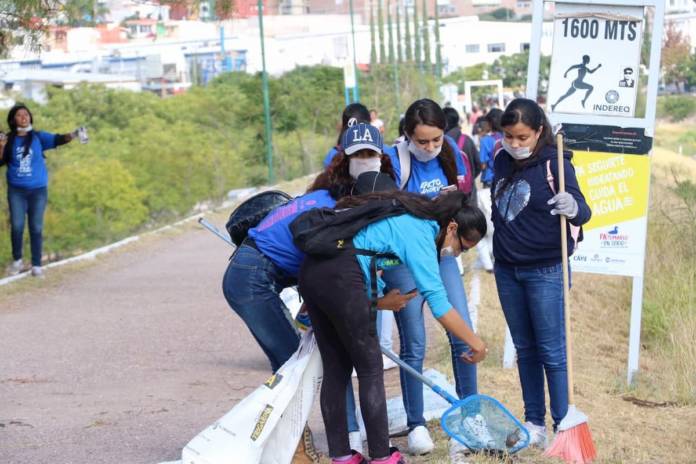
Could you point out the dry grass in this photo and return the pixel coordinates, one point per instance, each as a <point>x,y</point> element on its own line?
<point>662,428</point>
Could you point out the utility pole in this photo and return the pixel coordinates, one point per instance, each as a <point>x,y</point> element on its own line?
<point>266,99</point>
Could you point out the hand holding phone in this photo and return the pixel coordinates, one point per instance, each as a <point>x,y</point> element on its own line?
<point>394,300</point>
<point>447,189</point>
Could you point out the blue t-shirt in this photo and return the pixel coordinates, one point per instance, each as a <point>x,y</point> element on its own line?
<point>412,240</point>
<point>386,149</point>
<point>427,178</point>
<point>486,154</point>
<point>29,172</point>
<point>273,237</point>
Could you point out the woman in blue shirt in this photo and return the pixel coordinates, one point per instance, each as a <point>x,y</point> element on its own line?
<point>27,182</point>
<point>268,260</point>
<point>429,163</point>
<point>336,293</point>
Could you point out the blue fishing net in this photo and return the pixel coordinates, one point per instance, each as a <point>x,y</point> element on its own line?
<point>482,423</point>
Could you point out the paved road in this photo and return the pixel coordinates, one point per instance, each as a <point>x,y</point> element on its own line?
<point>123,360</point>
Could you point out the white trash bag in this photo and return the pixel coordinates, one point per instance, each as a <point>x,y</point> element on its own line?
<point>266,426</point>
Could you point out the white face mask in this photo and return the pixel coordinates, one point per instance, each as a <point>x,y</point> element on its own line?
<point>24,129</point>
<point>519,153</point>
<point>423,155</point>
<point>358,166</point>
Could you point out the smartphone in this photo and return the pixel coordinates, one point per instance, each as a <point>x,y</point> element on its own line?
<point>449,188</point>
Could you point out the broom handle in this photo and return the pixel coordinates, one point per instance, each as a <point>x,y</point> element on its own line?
<point>566,280</point>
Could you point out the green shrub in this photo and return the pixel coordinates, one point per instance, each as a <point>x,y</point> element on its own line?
<point>676,107</point>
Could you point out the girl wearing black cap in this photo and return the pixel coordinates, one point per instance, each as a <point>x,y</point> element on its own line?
<point>23,151</point>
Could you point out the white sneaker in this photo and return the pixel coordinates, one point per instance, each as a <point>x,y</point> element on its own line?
<point>537,435</point>
<point>477,429</point>
<point>15,268</point>
<point>458,453</point>
<point>36,271</point>
<point>355,440</point>
<point>419,441</point>
<point>388,363</point>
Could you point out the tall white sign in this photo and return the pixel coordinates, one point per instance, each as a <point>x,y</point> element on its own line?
<point>596,58</point>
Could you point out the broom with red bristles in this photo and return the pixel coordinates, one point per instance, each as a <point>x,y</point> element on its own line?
<point>573,442</point>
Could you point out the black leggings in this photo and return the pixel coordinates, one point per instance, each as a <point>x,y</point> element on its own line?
<point>335,293</point>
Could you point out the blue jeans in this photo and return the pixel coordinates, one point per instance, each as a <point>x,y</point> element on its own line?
<point>252,286</point>
<point>411,326</point>
<point>29,203</point>
<point>532,300</point>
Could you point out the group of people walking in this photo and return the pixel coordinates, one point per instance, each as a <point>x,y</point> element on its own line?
<point>428,172</point>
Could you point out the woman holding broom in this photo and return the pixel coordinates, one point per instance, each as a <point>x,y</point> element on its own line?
<point>526,245</point>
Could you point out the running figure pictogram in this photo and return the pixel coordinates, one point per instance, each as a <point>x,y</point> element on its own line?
<point>578,83</point>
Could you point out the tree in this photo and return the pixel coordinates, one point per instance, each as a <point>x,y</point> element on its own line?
<point>22,22</point>
<point>438,48</point>
<point>78,13</point>
<point>426,38</point>
<point>416,35</point>
<point>380,31</point>
<point>409,52</point>
<point>391,35</point>
<point>224,9</point>
<point>676,52</point>
<point>500,14</point>
<point>399,52</point>
<point>373,49</point>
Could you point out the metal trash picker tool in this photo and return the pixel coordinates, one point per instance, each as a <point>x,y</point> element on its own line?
<point>479,422</point>
<point>211,227</point>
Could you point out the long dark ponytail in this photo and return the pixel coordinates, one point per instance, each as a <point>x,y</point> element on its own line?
<point>451,206</point>
<point>427,112</point>
<point>529,113</point>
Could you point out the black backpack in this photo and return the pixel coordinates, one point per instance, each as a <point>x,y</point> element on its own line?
<point>326,232</point>
<point>252,211</point>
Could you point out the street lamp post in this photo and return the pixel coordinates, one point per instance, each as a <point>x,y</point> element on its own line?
<point>266,99</point>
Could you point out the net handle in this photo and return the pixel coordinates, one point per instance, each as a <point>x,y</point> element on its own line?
<point>391,355</point>
<point>205,223</point>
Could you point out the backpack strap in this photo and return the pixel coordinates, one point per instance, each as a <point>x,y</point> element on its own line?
<point>574,230</point>
<point>461,140</point>
<point>404,163</point>
<point>374,255</point>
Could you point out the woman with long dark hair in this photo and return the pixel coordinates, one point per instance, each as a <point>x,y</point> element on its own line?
<point>428,163</point>
<point>268,260</point>
<point>336,292</point>
<point>528,269</point>
<point>23,151</point>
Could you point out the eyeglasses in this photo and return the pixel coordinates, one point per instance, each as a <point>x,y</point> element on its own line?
<point>462,246</point>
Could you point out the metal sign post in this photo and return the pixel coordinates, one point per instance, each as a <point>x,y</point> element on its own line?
<point>592,93</point>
